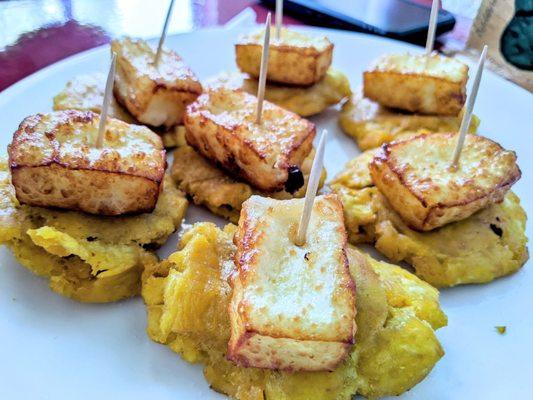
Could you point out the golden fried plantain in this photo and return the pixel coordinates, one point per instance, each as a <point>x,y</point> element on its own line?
<point>187,298</point>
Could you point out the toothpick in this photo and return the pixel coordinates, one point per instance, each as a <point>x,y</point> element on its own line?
<point>279,18</point>
<point>105,105</point>
<point>263,71</point>
<point>467,116</point>
<point>430,40</point>
<point>163,34</point>
<point>312,187</point>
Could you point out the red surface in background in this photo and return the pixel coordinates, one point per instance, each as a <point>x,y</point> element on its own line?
<point>47,43</point>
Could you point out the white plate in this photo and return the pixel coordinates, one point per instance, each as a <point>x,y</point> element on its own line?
<point>55,348</point>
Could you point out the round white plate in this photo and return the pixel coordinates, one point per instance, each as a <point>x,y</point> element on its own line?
<point>55,348</point>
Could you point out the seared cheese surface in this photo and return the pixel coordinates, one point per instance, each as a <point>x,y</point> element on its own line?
<point>279,131</point>
<point>416,177</point>
<point>435,66</point>
<point>298,299</point>
<point>67,138</point>
<point>424,165</point>
<point>155,95</point>
<point>294,285</point>
<point>416,83</point>
<point>171,72</point>
<point>289,38</point>
<point>294,58</point>
<point>221,125</point>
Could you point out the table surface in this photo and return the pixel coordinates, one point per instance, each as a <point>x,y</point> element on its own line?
<point>37,33</point>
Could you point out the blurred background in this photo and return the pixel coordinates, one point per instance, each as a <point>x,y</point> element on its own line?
<point>36,33</point>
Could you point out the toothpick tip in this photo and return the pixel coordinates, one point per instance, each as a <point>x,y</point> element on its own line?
<point>312,188</point>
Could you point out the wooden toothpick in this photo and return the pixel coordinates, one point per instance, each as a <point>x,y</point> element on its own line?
<point>163,34</point>
<point>467,116</point>
<point>312,187</point>
<point>279,18</point>
<point>263,71</point>
<point>107,98</point>
<point>430,40</point>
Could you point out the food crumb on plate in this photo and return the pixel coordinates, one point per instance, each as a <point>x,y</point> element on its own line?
<point>501,329</point>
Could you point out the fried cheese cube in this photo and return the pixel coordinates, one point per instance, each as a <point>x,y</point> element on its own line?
<point>294,59</point>
<point>54,163</point>
<point>416,178</point>
<point>417,83</point>
<point>293,307</point>
<point>154,95</point>
<point>221,125</point>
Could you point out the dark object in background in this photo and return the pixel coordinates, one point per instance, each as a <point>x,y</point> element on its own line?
<point>397,19</point>
<point>517,40</point>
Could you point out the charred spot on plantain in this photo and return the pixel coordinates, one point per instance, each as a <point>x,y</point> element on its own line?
<point>306,256</point>
<point>151,246</point>
<point>295,179</point>
<point>496,229</point>
<point>91,238</point>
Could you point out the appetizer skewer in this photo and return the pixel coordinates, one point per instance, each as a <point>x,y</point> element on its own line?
<point>87,257</point>
<point>298,300</point>
<point>77,160</point>
<point>426,84</point>
<point>305,338</point>
<point>291,305</point>
<point>417,190</point>
<point>405,94</point>
<point>150,91</point>
<point>423,182</point>
<point>268,153</point>
<point>299,75</point>
<point>188,297</point>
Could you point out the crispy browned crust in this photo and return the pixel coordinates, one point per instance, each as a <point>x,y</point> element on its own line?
<point>244,157</point>
<point>243,361</point>
<point>449,102</point>
<point>152,97</point>
<point>247,345</point>
<point>90,191</point>
<point>17,158</point>
<point>50,172</point>
<point>382,166</point>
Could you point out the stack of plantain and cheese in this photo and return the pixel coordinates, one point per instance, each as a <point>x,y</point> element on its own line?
<point>453,225</point>
<point>87,217</point>
<point>144,93</point>
<point>230,156</point>
<point>300,77</point>
<point>405,95</point>
<point>272,319</point>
